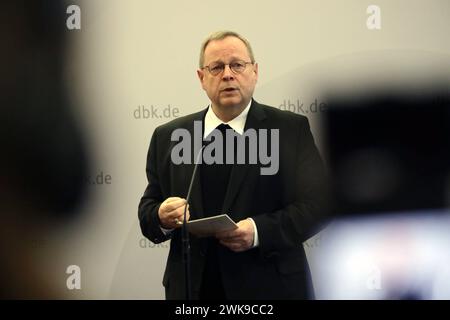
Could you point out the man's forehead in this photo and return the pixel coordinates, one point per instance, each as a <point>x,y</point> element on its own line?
<point>227,46</point>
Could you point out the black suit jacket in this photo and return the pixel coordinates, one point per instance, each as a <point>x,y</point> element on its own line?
<point>287,208</point>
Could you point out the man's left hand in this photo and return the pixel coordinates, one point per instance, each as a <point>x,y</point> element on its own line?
<point>240,239</point>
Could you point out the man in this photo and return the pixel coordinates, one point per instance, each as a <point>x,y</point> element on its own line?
<point>264,257</point>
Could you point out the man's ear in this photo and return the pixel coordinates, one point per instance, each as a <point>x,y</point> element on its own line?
<point>201,75</point>
<point>255,69</point>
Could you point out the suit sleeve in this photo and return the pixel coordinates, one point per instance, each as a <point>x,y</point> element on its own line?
<point>304,212</point>
<point>152,198</point>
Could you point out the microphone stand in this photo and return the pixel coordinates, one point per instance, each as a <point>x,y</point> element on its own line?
<point>186,248</point>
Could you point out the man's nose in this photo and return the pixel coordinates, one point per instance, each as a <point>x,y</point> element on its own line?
<point>227,73</point>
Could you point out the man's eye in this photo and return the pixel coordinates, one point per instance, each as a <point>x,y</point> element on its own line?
<point>216,67</point>
<point>237,65</point>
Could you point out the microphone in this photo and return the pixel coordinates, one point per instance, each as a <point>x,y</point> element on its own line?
<point>192,179</point>
<point>184,232</point>
<point>186,248</point>
<point>188,196</point>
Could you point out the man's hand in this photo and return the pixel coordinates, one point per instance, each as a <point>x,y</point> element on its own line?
<point>171,212</point>
<point>240,239</point>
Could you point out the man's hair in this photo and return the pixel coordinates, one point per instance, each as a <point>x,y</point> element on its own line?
<point>220,35</point>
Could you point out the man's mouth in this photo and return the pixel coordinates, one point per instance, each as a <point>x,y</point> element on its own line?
<point>230,89</point>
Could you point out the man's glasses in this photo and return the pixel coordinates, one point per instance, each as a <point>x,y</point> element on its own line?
<point>216,68</point>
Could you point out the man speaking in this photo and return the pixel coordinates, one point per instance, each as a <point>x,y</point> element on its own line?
<point>275,213</point>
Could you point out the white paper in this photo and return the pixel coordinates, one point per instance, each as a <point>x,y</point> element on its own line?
<point>208,226</point>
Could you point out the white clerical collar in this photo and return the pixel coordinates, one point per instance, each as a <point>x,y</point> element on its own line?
<point>237,124</point>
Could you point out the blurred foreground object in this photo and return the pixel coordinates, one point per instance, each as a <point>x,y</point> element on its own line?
<point>389,151</point>
<point>43,161</point>
<point>394,256</point>
<point>389,155</point>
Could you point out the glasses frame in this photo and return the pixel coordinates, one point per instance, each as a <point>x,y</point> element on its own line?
<point>245,63</point>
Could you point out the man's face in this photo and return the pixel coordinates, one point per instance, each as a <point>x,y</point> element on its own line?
<point>228,89</point>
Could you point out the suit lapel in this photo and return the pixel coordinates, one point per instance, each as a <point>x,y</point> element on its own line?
<point>255,118</point>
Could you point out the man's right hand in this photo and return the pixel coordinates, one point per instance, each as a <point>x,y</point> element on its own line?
<point>171,212</point>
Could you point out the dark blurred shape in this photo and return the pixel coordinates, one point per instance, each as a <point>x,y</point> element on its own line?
<point>43,159</point>
<point>389,151</point>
